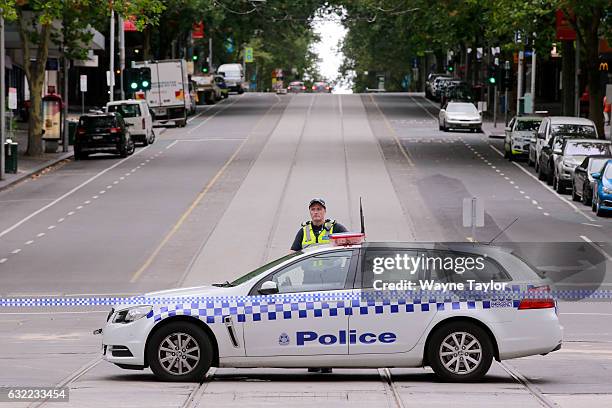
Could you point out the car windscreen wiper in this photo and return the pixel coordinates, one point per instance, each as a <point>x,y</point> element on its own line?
<point>226,284</point>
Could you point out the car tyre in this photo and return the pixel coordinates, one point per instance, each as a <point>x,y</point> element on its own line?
<point>550,177</point>
<point>575,196</point>
<point>585,198</point>
<point>455,337</point>
<point>598,210</point>
<point>541,175</point>
<point>152,137</point>
<point>145,141</point>
<point>594,203</point>
<point>167,337</point>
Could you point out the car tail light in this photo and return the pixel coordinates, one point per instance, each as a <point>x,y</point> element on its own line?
<point>80,131</point>
<point>314,88</point>
<point>303,88</point>
<point>115,130</point>
<point>143,123</point>
<point>327,87</point>
<point>289,88</point>
<point>545,301</point>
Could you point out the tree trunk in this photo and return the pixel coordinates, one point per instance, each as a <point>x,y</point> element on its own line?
<point>146,49</point>
<point>567,78</point>
<point>591,45</point>
<point>35,147</point>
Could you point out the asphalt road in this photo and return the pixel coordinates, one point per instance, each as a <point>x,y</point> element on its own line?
<point>213,200</point>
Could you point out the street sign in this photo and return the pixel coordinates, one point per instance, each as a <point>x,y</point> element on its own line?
<point>83,83</point>
<point>248,54</point>
<point>197,30</point>
<point>12,98</point>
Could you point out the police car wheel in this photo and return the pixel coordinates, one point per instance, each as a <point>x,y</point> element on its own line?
<point>460,352</point>
<point>180,352</point>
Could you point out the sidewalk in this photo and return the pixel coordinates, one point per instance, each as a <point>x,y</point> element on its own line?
<point>29,166</point>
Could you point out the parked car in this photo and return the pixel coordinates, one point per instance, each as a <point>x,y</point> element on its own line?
<point>102,133</point>
<point>220,81</point>
<point>296,87</point>
<point>602,189</point>
<point>439,85</point>
<point>136,112</point>
<point>456,91</point>
<point>321,87</point>
<point>571,155</point>
<point>429,82</point>
<point>234,77</point>
<point>565,126</point>
<point>582,183</point>
<point>433,83</point>
<point>519,134</point>
<point>460,115</point>
<point>207,89</point>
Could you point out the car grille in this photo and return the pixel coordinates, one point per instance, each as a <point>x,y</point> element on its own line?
<point>606,203</point>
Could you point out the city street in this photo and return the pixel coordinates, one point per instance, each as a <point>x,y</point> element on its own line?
<point>213,200</point>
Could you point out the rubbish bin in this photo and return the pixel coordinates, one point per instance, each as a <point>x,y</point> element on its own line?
<point>72,128</point>
<point>10,156</point>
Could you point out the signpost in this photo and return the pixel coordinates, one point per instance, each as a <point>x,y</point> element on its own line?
<point>83,90</point>
<point>248,54</point>
<point>473,214</point>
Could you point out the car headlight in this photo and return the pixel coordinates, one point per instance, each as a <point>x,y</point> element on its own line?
<point>132,314</point>
<point>607,190</point>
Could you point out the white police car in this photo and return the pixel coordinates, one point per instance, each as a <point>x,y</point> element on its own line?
<point>339,306</point>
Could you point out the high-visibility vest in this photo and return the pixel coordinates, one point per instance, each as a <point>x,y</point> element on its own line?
<point>309,238</point>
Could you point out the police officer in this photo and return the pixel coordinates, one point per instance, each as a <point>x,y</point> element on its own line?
<point>318,229</point>
<point>314,232</point>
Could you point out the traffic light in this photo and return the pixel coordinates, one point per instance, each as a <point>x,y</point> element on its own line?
<point>451,68</point>
<point>130,79</point>
<point>145,78</point>
<point>205,70</point>
<point>492,74</point>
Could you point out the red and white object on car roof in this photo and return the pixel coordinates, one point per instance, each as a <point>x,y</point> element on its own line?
<point>347,238</point>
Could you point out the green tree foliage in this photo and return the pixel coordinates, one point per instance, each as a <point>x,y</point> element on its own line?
<point>67,24</point>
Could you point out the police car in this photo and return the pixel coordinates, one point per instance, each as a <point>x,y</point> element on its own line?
<point>346,304</point>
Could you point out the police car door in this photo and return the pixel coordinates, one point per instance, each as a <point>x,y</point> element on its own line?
<point>308,315</point>
<point>386,323</point>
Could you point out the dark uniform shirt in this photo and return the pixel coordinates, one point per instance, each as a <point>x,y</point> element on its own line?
<point>297,242</point>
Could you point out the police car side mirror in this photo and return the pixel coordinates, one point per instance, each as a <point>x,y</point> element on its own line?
<point>268,288</point>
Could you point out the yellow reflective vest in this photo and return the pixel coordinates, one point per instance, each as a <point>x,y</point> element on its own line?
<point>310,238</point>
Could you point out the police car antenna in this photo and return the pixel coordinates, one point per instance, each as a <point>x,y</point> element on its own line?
<point>502,231</point>
<point>361,217</point>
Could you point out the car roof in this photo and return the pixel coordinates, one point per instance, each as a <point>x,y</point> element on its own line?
<point>577,141</point>
<point>570,120</point>
<point>453,102</point>
<point>99,115</point>
<point>126,101</point>
<point>529,118</point>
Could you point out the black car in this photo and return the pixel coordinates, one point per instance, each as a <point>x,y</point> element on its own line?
<point>102,133</point>
<point>582,188</point>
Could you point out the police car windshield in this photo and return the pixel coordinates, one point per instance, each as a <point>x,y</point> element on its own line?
<point>263,268</point>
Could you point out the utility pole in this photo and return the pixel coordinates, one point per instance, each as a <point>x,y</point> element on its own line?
<point>577,80</point>
<point>66,128</point>
<point>533,77</point>
<point>121,54</point>
<point>210,55</point>
<point>111,76</point>
<point>519,85</point>
<point>2,94</point>
<point>506,86</point>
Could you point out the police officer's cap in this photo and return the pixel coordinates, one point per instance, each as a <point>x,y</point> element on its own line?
<point>317,201</point>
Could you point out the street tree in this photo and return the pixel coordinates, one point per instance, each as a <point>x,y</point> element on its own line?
<point>67,24</point>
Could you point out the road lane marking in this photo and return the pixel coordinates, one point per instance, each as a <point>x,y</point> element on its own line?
<point>576,209</point>
<point>16,251</point>
<point>213,115</point>
<point>596,247</point>
<point>29,242</point>
<point>424,108</point>
<point>592,225</point>
<point>40,235</point>
<point>50,227</point>
<point>195,203</point>
<point>57,200</point>
<point>3,260</point>
<point>393,134</point>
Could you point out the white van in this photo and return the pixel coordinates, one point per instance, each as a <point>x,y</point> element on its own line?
<point>135,112</point>
<point>233,75</point>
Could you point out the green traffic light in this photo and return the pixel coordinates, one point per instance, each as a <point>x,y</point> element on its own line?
<point>145,84</point>
<point>195,57</point>
<point>204,70</point>
<point>492,80</point>
<point>450,69</point>
<point>133,85</point>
